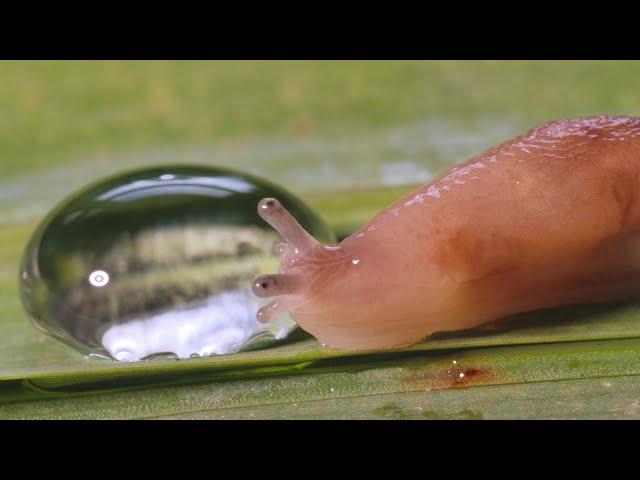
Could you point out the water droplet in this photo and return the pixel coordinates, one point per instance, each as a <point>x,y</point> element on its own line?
<point>158,262</point>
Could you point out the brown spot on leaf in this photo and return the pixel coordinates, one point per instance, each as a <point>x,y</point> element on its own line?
<point>456,376</point>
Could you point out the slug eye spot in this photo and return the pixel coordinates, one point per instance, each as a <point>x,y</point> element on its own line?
<point>265,286</point>
<point>268,204</point>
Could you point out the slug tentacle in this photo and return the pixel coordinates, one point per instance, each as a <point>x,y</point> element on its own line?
<point>270,312</point>
<point>274,285</point>
<point>272,212</point>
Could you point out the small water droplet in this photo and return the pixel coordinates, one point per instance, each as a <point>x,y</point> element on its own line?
<point>158,261</point>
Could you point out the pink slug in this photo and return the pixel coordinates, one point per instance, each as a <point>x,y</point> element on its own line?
<point>546,219</point>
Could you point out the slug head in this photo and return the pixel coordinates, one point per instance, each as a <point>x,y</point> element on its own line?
<point>342,294</point>
<point>311,278</point>
<point>288,286</point>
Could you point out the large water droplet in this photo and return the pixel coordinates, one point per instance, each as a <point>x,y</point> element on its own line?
<point>158,261</point>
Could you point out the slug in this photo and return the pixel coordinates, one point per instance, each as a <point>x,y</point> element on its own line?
<point>549,218</point>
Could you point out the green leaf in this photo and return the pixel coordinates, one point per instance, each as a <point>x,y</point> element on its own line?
<point>590,379</point>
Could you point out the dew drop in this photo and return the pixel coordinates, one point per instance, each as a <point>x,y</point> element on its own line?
<point>158,262</point>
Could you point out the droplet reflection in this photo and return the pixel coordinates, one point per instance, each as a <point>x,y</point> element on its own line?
<point>99,278</point>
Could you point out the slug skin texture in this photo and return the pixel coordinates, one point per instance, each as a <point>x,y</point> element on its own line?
<point>546,219</point>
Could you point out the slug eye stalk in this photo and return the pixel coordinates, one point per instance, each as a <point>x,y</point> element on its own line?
<point>297,238</point>
<point>273,285</point>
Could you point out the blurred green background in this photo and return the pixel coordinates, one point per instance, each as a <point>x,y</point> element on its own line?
<point>311,125</point>
<point>346,136</point>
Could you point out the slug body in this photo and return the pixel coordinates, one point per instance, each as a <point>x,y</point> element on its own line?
<point>546,219</point>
